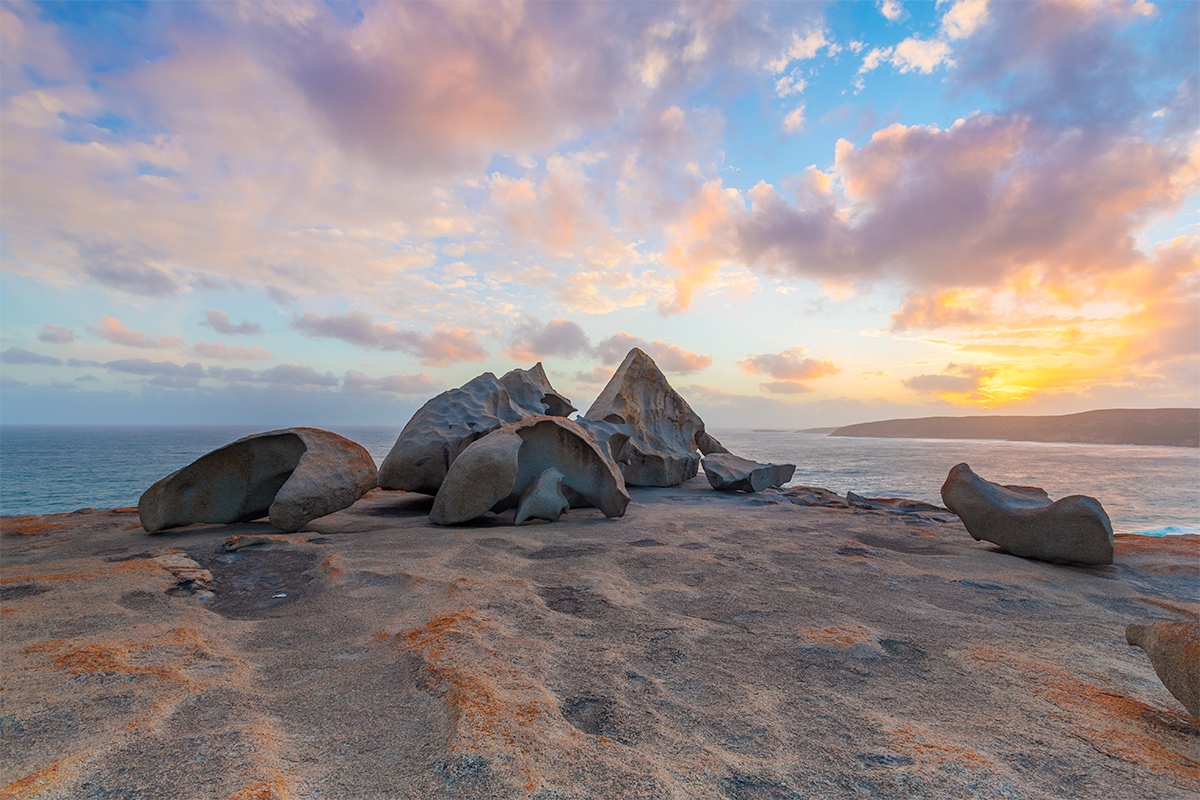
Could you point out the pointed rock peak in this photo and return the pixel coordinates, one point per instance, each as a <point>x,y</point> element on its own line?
<point>531,387</point>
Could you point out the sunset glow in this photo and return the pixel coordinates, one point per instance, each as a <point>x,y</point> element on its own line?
<point>808,214</point>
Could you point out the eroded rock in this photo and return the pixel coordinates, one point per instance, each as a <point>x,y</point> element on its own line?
<point>729,473</point>
<point>292,476</point>
<point>1174,650</point>
<point>543,498</point>
<point>1024,522</point>
<point>493,472</point>
<point>647,427</point>
<point>446,425</point>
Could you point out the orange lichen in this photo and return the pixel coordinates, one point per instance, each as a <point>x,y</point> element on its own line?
<point>34,783</point>
<point>31,525</point>
<point>273,788</point>
<point>1175,608</point>
<point>1112,723</point>
<point>840,635</point>
<point>333,565</point>
<point>930,748</point>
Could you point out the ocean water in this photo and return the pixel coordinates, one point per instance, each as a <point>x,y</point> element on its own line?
<point>1149,490</point>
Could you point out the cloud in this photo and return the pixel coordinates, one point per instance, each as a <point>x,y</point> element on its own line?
<point>794,121</point>
<point>224,352</point>
<point>439,348</point>
<point>953,308</point>
<point>956,379</point>
<point>87,378</point>
<point>921,55</point>
<point>892,10</point>
<point>113,330</point>
<point>785,387</point>
<point>126,268</point>
<point>669,357</point>
<point>56,334</point>
<point>281,296</point>
<point>298,375</point>
<point>144,366</point>
<point>788,365</point>
<point>963,18</point>
<point>532,341</point>
<point>15,355</point>
<point>219,322</point>
<point>598,375</point>
<point>422,384</point>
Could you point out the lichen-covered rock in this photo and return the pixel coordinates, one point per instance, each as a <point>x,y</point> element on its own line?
<point>1024,522</point>
<point>1174,650</point>
<point>493,472</point>
<point>543,498</point>
<point>446,425</point>
<point>292,476</point>
<point>646,426</point>
<point>729,473</point>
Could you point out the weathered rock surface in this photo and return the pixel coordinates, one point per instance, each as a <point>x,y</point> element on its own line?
<point>729,473</point>
<point>292,476</point>
<point>492,473</point>
<point>709,645</point>
<point>446,425</point>
<point>1023,521</point>
<point>543,498</point>
<point>646,426</point>
<point>1174,650</point>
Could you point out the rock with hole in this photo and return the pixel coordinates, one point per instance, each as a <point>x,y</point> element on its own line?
<point>494,472</point>
<point>446,425</point>
<point>1024,522</point>
<point>291,476</point>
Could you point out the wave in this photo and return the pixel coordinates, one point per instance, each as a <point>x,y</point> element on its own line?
<point>1170,530</point>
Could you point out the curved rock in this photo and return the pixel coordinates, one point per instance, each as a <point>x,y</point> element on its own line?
<point>493,472</point>
<point>1174,650</point>
<point>292,476</point>
<point>647,427</point>
<point>446,425</point>
<point>1024,522</point>
<point>543,498</point>
<point>729,473</point>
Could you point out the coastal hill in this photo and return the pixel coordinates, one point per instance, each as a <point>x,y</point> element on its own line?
<point>1176,427</point>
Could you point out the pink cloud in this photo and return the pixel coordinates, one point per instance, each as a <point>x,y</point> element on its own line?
<point>224,352</point>
<point>788,365</point>
<point>668,357</point>
<point>785,387</point>
<point>956,379</point>
<point>56,334</point>
<point>421,384</point>
<point>439,348</point>
<point>532,341</point>
<point>113,330</point>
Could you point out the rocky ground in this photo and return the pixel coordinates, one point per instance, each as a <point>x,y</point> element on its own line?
<point>702,646</point>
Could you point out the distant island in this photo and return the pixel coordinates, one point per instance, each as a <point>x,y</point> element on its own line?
<point>1175,427</point>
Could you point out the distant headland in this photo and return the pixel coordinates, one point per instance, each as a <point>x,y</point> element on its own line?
<point>1175,427</point>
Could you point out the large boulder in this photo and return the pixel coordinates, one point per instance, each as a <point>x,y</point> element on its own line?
<point>1174,650</point>
<point>493,473</point>
<point>729,473</point>
<point>646,427</point>
<point>445,426</point>
<point>1024,522</point>
<point>291,476</point>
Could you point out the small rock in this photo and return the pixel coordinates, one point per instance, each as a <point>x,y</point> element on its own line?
<point>1174,650</point>
<point>543,498</point>
<point>729,473</point>
<point>493,472</point>
<point>1024,522</point>
<point>292,476</point>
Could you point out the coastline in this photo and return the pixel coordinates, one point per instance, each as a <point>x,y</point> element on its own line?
<point>704,645</point>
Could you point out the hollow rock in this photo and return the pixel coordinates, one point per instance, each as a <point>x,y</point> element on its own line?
<point>493,473</point>
<point>292,476</point>
<point>1024,522</point>
<point>446,425</point>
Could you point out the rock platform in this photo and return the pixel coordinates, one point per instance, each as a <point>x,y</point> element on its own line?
<point>705,645</point>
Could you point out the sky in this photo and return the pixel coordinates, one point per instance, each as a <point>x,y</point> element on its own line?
<point>808,214</point>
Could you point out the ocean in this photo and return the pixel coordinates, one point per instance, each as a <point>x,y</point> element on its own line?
<point>1147,490</point>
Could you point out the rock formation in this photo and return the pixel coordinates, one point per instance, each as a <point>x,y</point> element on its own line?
<point>444,427</point>
<point>646,427</point>
<point>1174,650</point>
<point>494,472</point>
<point>729,473</point>
<point>543,498</point>
<point>292,475</point>
<point>1024,522</point>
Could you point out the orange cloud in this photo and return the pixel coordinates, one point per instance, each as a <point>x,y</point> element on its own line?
<point>113,330</point>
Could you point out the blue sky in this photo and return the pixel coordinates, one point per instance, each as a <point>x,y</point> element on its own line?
<point>808,214</point>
